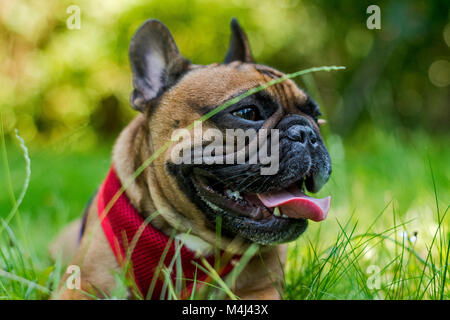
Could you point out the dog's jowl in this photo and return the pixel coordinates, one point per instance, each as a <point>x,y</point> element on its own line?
<point>156,213</point>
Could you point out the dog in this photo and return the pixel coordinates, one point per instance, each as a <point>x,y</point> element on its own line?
<point>191,199</point>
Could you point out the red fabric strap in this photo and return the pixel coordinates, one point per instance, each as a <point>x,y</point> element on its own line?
<point>122,223</point>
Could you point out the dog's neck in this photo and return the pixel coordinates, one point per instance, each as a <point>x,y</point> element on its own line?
<point>129,153</point>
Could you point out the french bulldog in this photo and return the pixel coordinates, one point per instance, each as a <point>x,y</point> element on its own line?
<point>171,93</point>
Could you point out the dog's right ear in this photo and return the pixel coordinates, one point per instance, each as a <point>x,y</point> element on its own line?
<point>239,49</point>
<point>156,63</point>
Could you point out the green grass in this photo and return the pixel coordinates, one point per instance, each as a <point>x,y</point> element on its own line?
<point>387,236</point>
<point>372,168</point>
<point>386,190</point>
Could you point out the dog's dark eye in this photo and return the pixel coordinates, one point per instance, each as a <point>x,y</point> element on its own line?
<point>248,113</point>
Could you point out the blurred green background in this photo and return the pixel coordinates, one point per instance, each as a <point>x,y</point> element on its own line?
<point>67,92</point>
<point>56,82</point>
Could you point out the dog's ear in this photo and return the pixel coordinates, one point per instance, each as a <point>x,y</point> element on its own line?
<point>239,49</point>
<point>156,63</point>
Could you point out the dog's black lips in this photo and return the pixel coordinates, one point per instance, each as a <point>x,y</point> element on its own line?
<point>246,217</point>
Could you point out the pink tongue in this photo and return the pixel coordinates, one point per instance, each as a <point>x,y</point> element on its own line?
<point>295,204</point>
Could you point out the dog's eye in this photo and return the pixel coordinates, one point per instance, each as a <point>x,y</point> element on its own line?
<point>248,113</point>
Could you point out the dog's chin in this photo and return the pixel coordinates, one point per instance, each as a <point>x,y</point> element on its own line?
<point>242,213</point>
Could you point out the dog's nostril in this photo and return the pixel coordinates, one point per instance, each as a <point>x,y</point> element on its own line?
<point>312,138</point>
<point>302,134</point>
<point>297,133</point>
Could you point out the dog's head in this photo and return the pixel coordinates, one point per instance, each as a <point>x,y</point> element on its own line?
<point>172,93</point>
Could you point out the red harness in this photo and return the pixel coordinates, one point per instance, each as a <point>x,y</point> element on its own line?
<point>122,223</point>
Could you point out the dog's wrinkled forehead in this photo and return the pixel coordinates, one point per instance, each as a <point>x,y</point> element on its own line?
<point>212,85</point>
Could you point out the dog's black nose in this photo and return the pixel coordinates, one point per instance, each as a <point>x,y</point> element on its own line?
<point>302,134</point>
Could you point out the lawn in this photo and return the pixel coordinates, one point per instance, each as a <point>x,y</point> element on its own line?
<point>386,236</point>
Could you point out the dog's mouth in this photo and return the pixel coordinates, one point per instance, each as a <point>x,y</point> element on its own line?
<point>287,203</point>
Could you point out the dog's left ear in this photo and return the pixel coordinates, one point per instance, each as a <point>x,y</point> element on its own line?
<point>239,49</point>
<point>156,63</point>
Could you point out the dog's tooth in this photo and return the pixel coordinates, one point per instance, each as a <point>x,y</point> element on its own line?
<point>276,212</point>
<point>236,195</point>
<point>284,216</point>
